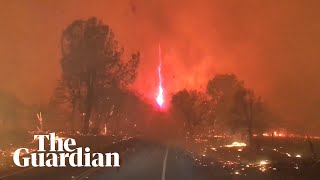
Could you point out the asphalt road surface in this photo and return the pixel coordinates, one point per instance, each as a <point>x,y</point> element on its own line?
<point>151,161</point>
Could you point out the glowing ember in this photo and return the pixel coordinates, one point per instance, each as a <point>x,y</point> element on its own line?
<point>236,144</point>
<point>263,162</point>
<point>39,116</point>
<point>104,130</point>
<point>159,98</point>
<point>298,156</point>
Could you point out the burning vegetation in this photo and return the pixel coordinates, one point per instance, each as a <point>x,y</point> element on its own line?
<point>228,126</point>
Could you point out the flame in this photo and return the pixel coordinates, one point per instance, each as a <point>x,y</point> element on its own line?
<point>236,144</point>
<point>160,99</point>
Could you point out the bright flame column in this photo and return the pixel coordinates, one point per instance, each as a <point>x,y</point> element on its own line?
<point>160,99</point>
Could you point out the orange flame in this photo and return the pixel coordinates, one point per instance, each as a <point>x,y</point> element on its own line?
<point>160,99</point>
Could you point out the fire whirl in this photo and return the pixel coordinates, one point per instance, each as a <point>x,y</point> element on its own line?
<point>160,98</point>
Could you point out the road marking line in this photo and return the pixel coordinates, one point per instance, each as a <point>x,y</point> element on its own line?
<point>164,166</point>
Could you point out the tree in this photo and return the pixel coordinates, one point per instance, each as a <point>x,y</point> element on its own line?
<point>67,94</point>
<point>236,106</point>
<point>191,106</point>
<point>246,105</point>
<point>222,89</point>
<point>92,61</point>
<point>223,86</point>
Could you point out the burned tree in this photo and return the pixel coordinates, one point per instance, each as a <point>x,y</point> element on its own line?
<point>92,60</point>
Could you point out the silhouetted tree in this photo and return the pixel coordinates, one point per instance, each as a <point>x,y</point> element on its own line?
<point>246,105</point>
<point>67,93</point>
<point>223,86</point>
<point>191,106</point>
<point>236,106</point>
<point>222,89</point>
<point>92,60</point>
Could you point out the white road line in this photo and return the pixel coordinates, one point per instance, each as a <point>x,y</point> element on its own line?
<point>164,166</point>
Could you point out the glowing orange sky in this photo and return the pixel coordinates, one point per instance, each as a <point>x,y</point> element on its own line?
<point>272,45</point>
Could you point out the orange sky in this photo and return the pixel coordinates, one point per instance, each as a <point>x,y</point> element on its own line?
<point>272,45</point>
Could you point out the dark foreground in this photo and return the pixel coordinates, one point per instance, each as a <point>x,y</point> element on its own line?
<point>145,160</point>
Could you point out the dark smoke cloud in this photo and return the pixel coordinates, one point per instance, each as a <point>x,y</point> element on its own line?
<point>272,45</point>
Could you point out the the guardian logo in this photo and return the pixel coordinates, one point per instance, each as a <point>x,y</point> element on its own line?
<point>61,154</point>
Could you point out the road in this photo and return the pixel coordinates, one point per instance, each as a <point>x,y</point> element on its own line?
<point>150,161</point>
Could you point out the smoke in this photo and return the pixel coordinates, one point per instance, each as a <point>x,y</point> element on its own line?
<point>273,46</point>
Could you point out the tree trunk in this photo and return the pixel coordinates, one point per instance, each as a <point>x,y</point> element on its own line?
<point>89,103</point>
<point>87,114</point>
<point>72,129</point>
<point>314,156</point>
<point>75,102</point>
<point>250,118</point>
